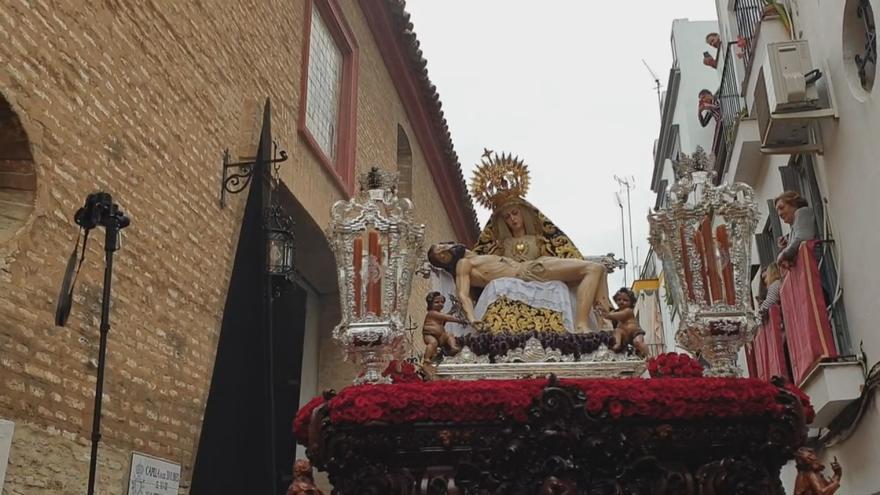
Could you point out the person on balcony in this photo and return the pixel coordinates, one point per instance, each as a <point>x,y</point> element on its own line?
<point>709,109</point>
<point>772,280</point>
<point>709,60</point>
<point>713,40</point>
<point>794,210</point>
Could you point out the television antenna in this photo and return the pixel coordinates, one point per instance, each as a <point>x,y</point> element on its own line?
<point>657,85</point>
<point>622,232</point>
<point>628,183</point>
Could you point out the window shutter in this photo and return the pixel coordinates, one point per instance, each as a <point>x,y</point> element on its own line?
<point>765,244</point>
<point>790,179</point>
<point>775,223</point>
<point>661,194</point>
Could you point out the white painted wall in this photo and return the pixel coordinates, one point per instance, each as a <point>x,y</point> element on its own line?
<point>309,374</point>
<point>850,179</point>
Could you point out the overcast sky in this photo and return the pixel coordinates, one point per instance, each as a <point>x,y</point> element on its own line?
<point>562,85</point>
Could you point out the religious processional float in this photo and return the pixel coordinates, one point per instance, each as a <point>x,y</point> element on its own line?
<point>524,386</point>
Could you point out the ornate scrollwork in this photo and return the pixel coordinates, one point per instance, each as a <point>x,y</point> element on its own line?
<point>237,175</point>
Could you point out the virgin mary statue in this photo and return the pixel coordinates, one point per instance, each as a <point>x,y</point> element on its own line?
<point>517,230</point>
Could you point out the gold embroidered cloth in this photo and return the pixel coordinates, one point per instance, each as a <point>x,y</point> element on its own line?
<point>514,316</point>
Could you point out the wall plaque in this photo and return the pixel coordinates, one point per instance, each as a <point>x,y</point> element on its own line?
<point>152,476</point>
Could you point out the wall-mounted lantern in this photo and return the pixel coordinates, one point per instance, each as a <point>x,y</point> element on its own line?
<point>280,241</point>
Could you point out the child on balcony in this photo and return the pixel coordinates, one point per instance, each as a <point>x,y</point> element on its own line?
<point>772,280</point>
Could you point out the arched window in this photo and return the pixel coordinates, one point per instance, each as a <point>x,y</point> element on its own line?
<point>18,182</point>
<point>404,163</point>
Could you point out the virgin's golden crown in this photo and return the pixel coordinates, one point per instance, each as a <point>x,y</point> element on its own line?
<point>499,179</point>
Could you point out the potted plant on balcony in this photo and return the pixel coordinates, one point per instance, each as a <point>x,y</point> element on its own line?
<point>775,8</point>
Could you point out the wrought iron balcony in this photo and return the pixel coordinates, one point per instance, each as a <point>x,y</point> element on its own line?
<point>748,17</point>
<point>730,101</point>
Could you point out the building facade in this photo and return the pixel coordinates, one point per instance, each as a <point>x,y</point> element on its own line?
<point>824,155</point>
<point>140,100</point>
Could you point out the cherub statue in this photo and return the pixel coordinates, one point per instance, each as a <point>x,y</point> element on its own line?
<point>434,331</point>
<point>303,480</point>
<point>810,480</point>
<point>627,330</point>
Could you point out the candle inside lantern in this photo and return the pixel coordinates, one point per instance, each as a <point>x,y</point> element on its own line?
<point>711,259</point>
<point>726,264</point>
<point>358,260</point>
<point>374,274</point>
<point>704,272</point>
<point>688,276</point>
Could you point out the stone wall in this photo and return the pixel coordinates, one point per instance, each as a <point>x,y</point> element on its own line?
<point>140,99</point>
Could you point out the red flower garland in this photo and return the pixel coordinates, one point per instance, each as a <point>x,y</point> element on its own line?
<point>674,365</point>
<point>490,400</point>
<point>303,417</point>
<point>402,372</point>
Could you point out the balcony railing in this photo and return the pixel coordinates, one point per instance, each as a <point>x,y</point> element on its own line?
<point>808,337</point>
<point>730,101</point>
<point>748,17</point>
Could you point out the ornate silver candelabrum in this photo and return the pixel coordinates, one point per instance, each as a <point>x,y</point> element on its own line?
<point>703,236</point>
<point>377,244</point>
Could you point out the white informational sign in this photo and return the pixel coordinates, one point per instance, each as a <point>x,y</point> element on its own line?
<point>7,428</point>
<point>152,476</point>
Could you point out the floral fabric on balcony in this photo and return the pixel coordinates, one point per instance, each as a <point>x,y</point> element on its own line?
<point>807,329</point>
<point>769,350</point>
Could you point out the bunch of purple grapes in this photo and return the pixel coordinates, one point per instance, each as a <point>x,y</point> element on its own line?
<point>498,344</point>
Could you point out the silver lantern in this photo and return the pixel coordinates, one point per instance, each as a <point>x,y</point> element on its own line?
<point>703,236</point>
<point>377,244</point>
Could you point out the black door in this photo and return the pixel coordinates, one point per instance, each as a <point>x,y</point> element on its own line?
<point>289,317</point>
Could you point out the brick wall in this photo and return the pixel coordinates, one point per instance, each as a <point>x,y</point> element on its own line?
<point>139,99</point>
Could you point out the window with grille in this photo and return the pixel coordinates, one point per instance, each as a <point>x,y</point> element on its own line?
<point>329,90</point>
<point>324,86</point>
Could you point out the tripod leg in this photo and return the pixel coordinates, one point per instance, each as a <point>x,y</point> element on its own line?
<point>109,248</point>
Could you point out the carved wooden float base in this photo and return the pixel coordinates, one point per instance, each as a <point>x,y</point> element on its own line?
<point>559,446</point>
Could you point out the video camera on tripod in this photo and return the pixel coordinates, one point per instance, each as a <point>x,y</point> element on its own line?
<point>99,209</point>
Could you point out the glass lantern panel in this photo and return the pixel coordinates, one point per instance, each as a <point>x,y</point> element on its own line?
<point>275,253</point>
<point>289,250</point>
<point>370,255</point>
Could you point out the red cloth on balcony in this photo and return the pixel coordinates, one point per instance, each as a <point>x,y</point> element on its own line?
<point>751,360</point>
<point>769,351</point>
<point>807,329</point>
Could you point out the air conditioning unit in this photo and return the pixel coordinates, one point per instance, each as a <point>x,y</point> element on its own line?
<point>788,100</point>
<point>785,76</point>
